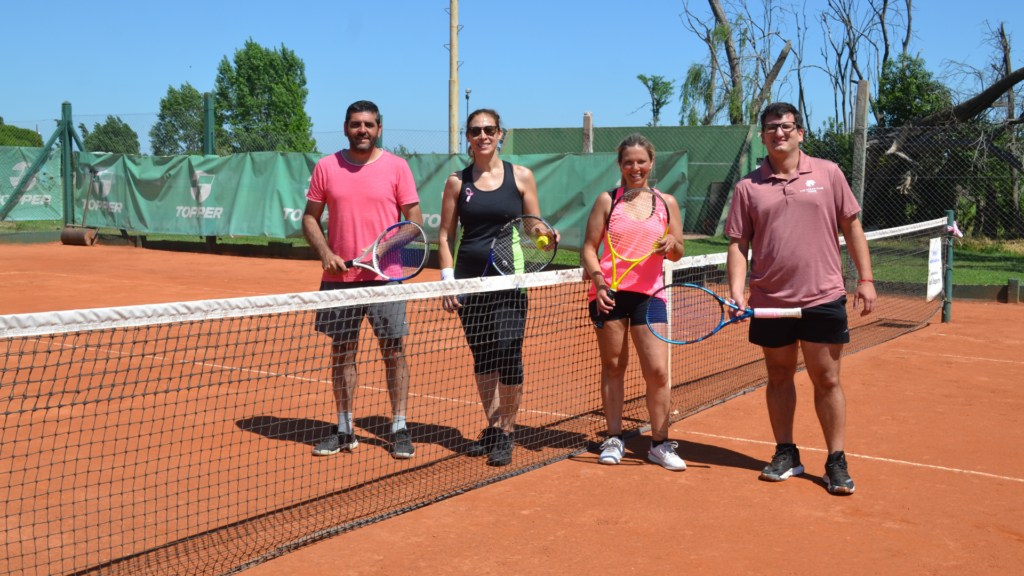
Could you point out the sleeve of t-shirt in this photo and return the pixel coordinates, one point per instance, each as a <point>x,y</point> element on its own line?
<point>317,185</point>
<point>738,225</point>
<point>405,185</point>
<point>846,203</point>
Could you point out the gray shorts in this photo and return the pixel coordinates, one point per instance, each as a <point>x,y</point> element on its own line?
<point>342,324</point>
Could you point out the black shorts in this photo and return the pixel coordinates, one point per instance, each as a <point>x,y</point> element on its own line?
<point>342,324</point>
<point>823,324</point>
<point>495,324</point>
<point>632,305</point>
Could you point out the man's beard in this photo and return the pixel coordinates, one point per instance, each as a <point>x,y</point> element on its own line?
<point>366,147</point>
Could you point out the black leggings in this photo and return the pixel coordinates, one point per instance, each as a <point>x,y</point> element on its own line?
<point>494,323</point>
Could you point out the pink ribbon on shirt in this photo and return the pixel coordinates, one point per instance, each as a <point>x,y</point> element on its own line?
<point>469,194</point>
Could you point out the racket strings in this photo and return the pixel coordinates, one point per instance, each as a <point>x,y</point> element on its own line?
<point>636,223</point>
<point>693,313</point>
<point>402,251</point>
<point>516,249</point>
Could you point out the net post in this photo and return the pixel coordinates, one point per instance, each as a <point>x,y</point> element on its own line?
<point>947,287</point>
<point>209,136</point>
<point>66,172</point>
<point>666,272</point>
<point>860,143</point>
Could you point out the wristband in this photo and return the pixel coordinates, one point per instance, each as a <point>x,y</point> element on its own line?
<point>862,281</point>
<point>447,274</point>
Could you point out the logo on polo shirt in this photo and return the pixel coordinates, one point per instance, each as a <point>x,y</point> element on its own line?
<point>811,188</point>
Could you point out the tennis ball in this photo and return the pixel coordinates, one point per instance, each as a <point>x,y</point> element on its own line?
<point>543,241</point>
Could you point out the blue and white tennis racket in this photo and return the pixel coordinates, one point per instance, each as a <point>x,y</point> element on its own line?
<point>523,246</point>
<point>695,313</point>
<point>399,253</point>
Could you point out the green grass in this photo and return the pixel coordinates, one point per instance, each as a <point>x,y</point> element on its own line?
<point>31,226</point>
<point>995,267</point>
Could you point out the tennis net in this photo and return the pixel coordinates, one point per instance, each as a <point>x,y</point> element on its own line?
<point>177,438</point>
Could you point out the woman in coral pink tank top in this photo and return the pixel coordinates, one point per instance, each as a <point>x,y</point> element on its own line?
<point>626,315</point>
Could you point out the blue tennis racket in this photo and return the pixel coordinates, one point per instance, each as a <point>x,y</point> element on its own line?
<point>695,313</point>
<point>399,253</point>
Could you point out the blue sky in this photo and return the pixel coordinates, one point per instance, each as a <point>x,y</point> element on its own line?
<point>539,63</point>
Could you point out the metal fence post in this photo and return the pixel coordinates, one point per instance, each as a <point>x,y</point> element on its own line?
<point>66,172</point>
<point>588,132</point>
<point>947,288</point>
<point>860,144</point>
<point>209,134</point>
<point>380,137</point>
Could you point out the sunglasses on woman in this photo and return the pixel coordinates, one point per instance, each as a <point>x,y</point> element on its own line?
<point>474,131</point>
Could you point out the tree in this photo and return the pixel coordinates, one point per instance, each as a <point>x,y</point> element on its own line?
<point>660,91</point>
<point>111,136</point>
<point>179,126</point>
<point>739,75</point>
<point>14,136</point>
<point>261,101</point>
<point>907,91</point>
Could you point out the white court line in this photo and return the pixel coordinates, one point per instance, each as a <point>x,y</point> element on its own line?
<point>932,466</point>
<point>233,368</point>
<point>972,338</point>
<point>955,356</point>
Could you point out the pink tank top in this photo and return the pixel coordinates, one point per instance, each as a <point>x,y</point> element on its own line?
<point>647,277</point>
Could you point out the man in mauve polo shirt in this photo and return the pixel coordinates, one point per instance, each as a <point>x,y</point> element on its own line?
<point>788,212</point>
<point>365,190</point>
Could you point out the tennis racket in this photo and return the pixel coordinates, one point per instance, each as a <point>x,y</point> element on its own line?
<point>523,246</point>
<point>399,253</point>
<point>636,222</point>
<point>696,313</point>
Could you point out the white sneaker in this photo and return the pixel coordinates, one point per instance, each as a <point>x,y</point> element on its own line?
<point>666,456</point>
<point>612,451</point>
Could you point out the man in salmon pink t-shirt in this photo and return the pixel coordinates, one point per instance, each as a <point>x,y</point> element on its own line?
<point>365,190</point>
<point>788,213</point>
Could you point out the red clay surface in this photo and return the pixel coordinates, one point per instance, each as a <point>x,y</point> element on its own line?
<point>934,437</point>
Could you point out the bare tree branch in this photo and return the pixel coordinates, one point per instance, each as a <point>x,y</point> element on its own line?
<point>766,90</point>
<point>974,106</point>
<point>735,67</point>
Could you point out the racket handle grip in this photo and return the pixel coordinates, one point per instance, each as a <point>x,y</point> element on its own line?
<point>777,313</point>
<point>611,294</point>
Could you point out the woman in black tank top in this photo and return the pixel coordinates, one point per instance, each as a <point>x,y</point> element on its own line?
<point>485,196</point>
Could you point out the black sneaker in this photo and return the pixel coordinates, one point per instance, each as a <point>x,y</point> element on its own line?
<point>486,441</point>
<point>401,445</point>
<point>836,477</point>
<point>335,443</point>
<point>785,463</point>
<point>501,454</point>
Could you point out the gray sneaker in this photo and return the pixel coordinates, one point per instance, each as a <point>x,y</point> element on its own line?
<point>401,445</point>
<point>336,443</point>
<point>836,477</point>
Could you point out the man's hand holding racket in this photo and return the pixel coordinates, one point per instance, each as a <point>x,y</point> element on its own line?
<point>333,264</point>
<point>740,301</point>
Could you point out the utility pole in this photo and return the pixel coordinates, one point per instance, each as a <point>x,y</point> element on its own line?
<point>467,117</point>
<point>453,79</point>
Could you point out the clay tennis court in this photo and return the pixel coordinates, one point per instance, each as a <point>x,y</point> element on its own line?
<point>933,441</point>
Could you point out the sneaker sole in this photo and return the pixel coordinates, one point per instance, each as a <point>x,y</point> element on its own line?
<point>842,490</point>
<point>666,466</point>
<point>609,461</point>
<point>791,472</point>
<point>403,455</point>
